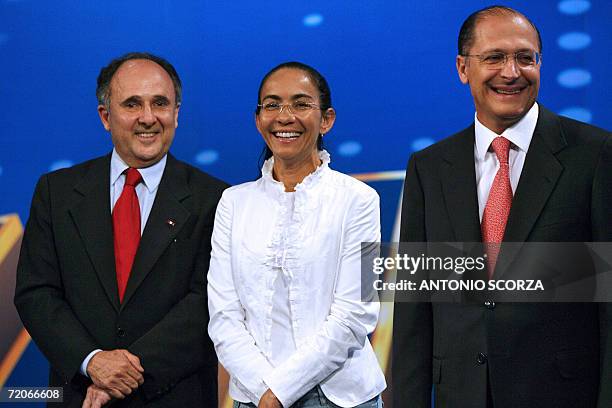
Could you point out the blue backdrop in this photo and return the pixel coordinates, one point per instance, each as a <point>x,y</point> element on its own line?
<point>390,64</point>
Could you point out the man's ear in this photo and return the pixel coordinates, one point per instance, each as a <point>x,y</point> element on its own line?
<point>103,113</point>
<point>176,111</point>
<point>462,69</point>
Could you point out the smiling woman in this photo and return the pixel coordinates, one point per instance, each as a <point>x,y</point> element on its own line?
<point>287,315</point>
<point>292,121</point>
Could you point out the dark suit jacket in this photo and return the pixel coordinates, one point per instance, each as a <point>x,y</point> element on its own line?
<point>527,354</point>
<point>67,295</point>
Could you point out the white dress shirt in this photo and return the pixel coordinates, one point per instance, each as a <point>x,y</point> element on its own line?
<point>486,161</point>
<point>146,191</point>
<point>319,258</point>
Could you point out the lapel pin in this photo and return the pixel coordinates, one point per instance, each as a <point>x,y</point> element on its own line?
<point>171,223</point>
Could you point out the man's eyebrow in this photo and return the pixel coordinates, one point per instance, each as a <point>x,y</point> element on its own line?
<point>491,50</point>
<point>132,98</point>
<point>511,52</point>
<point>161,98</point>
<point>138,99</point>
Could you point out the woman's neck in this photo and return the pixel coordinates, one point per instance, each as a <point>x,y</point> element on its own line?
<point>291,174</point>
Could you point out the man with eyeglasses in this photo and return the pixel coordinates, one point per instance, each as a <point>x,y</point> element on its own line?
<point>519,173</point>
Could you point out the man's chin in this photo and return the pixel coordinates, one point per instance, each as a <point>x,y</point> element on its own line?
<point>147,160</point>
<point>511,116</point>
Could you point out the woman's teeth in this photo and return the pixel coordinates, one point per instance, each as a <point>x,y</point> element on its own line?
<point>286,134</point>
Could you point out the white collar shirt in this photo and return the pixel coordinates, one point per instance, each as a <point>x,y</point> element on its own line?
<point>486,161</point>
<point>146,191</point>
<point>319,257</point>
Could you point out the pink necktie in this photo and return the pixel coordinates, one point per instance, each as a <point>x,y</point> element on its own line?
<point>496,211</point>
<point>126,229</point>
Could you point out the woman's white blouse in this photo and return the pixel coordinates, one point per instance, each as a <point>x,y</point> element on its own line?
<point>320,258</point>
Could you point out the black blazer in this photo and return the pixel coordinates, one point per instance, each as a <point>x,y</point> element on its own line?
<point>525,354</point>
<point>67,294</point>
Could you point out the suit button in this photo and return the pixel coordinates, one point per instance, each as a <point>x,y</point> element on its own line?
<point>482,358</point>
<point>120,332</point>
<point>489,304</point>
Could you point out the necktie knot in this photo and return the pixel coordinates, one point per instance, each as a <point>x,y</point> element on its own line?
<point>133,177</point>
<point>501,147</point>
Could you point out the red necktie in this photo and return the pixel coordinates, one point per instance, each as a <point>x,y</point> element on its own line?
<point>496,211</point>
<point>126,229</point>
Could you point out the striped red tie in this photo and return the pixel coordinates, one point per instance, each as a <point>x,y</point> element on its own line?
<point>126,229</point>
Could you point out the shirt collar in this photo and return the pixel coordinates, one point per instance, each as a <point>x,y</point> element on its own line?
<point>151,176</point>
<point>519,134</point>
<point>311,179</point>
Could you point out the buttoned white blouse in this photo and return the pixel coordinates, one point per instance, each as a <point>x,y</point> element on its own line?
<point>316,251</point>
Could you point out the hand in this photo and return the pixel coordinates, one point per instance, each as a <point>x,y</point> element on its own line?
<point>269,400</point>
<point>96,397</point>
<point>118,372</point>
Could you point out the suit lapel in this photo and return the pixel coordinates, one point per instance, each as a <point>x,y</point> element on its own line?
<point>92,217</point>
<point>539,177</point>
<point>458,179</point>
<point>167,217</point>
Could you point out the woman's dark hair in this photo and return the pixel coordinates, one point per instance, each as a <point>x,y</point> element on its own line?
<point>319,81</point>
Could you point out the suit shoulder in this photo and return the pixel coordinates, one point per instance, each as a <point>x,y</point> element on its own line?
<point>582,133</point>
<point>444,146</point>
<point>61,181</point>
<point>76,171</point>
<point>199,178</point>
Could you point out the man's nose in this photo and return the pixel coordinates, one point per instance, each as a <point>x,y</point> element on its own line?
<point>510,69</point>
<point>146,115</point>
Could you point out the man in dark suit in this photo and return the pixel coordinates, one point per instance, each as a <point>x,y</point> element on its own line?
<point>466,188</point>
<point>110,282</point>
